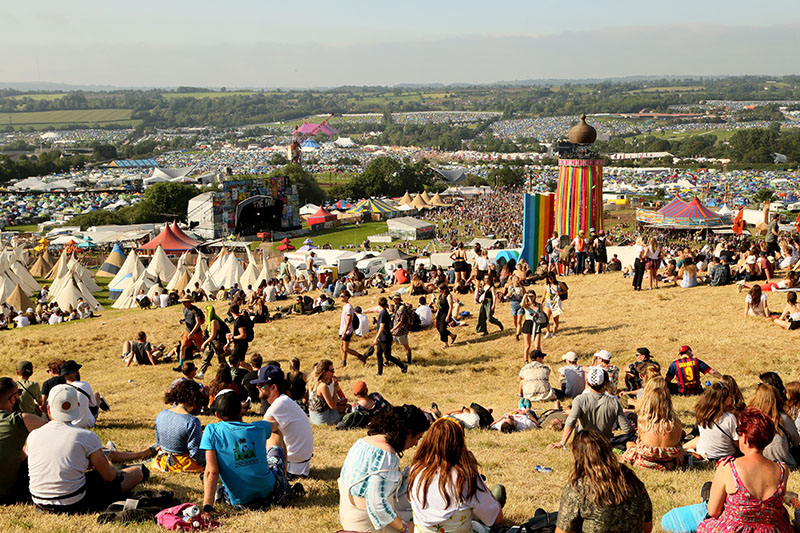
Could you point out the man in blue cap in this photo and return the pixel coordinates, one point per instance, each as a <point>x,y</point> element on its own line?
<point>287,418</point>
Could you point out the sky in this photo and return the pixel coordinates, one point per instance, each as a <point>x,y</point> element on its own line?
<point>311,43</point>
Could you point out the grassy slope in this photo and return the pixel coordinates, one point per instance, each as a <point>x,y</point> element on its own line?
<point>602,312</point>
<point>78,116</point>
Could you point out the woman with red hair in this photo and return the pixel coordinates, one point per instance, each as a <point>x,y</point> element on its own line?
<point>747,493</point>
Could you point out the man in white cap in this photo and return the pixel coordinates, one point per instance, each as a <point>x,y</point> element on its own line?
<point>602,359</point>
<point>59,455</point>
<point>594,409</point>
<point>573,378</point>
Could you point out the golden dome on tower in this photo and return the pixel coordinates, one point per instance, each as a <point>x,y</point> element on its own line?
<point>582,133</point>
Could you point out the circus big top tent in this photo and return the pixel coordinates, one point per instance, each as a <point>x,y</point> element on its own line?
<point>372,205</point>
<point>169,241</point>
<point>681,215</point>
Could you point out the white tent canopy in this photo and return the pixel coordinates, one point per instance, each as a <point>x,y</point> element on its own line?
<point>160,266</point>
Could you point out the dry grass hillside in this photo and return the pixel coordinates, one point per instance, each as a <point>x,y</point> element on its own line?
<point>602,312</point>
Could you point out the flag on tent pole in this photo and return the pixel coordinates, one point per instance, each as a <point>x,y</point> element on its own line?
<point>738,222</point>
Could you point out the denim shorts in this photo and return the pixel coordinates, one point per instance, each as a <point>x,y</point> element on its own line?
<point>516,309</point>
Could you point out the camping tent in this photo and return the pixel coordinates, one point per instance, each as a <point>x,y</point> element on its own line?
<point>127,300</point>
<point>320,217</point>
<point>19,300</point>
<point>40,268</point>
<point>419,202</point>
<point>128,273</point>
<point>437,201</point>
<point>167,240</point>
<point>60,268</point>
<point>160,266</point>
<point>342,205</point>
<point>114,261</point>
<point>229,273</point>
<point>372,205</point>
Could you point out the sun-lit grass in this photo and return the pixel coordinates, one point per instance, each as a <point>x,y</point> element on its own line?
<point>44,119</point>
<point>602,312</point>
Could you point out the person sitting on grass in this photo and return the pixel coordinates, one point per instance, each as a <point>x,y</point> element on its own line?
<point>687,370</point>
<point>573,377</point>
<point>534,380</point>
<point>59,456</point>
<point>249,458</point>
<point>178,430</point>
<point>140,351</point>
<point>659,431</point>
<point>15,426</point>
<point>602,359</point>
<point>594,409</point>
<point>755,303</point>
<point>445,489</point>
<point>322,403</point>
<point>747,493</point>
<point>372,487</point>
<point>768,400</point>
<point>602,495</point>
<point>30,394</point>
<point>368,403</point>
<point>633,374</point>
<point>790,318</point>
<point>717,424</point>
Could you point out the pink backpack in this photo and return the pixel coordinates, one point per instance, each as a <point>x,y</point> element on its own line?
<point>172,518</point>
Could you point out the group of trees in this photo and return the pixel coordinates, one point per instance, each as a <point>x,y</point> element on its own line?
<point>41,165</point>
<point>162,202</point>
<point>389,177</point>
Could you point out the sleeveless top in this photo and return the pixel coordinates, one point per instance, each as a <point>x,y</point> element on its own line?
<point>297,386</point>
<point>222,332</point>
<point>744,513</point>
<point>317,403</point>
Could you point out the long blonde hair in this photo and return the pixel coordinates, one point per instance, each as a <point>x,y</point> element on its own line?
<point>766,400</point>
<point>654,409</point>
<point>605,480</point>
<point>316,375</point>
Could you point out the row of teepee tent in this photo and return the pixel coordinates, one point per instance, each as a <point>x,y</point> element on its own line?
<point>422,201</point>
<point>16,282</point>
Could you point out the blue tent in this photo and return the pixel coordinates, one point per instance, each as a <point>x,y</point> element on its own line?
<point>310,143</point>
<point>114,262</point>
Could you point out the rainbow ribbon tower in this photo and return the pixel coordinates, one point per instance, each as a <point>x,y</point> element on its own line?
<point>579,195</point>
<point>537,226</point>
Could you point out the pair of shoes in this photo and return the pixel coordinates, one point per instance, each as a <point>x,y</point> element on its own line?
<point>546,335</point>
<point>517,336</point>
<point>404,369</point>
<point>378,374</point>
<point>705,491</point>
<point>484,333</point>
<point>176,369</point>
<point>501,327</point>
<point>370,352</point>
<point>552,335</point>
<point>104,404</point>
<point>344,363</point>
<point>452,342</point>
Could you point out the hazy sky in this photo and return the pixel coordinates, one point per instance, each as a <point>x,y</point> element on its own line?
<point>313,43</point>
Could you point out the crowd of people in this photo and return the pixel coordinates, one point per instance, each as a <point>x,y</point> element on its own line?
<point>614,420</point>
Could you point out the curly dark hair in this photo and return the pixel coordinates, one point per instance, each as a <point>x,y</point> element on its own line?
<point>185,392</point>
<point>397,423</point>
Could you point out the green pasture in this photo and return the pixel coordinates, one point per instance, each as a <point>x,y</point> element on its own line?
<point>46,119</point>
<point>37,96</point>
<point>676,89</point>
<point>209,94</point>
<point>23,228</point>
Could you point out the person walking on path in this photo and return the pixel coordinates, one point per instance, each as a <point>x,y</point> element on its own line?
<point>488,298</point>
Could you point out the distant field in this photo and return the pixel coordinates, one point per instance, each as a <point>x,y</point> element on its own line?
<point>54,96</point>
<point>44,119</point>
<point>210,94</point>
<point>680,89</point>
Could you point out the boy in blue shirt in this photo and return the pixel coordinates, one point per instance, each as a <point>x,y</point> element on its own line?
<point>249,458</point>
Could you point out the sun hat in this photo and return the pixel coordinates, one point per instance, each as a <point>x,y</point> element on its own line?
<point>63,403</point>
<point>605,355</point>
<point>397,296</point>
<point>595,377</point>
<point>570,356</point>
<point>186,299</point>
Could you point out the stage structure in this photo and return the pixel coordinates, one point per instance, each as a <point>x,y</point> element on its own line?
<point>579,195</point>
<point>537,226</point>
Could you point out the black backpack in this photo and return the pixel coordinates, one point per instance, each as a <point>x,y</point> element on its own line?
<point>248,328</point>
<point>548,247</point>
<point>563,290</point>
<point>355,321</point>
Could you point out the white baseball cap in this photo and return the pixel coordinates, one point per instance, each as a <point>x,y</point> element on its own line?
<point>595,377</point>
<point>605,355</point>
<point>63,402</point>
<point>570,356</point>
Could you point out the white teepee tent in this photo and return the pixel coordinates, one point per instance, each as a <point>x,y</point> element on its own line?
<point>128,273</point>
<point>127,300</point>
<point>177,276</point>
<point>160,266</point>
<point>230,272</point>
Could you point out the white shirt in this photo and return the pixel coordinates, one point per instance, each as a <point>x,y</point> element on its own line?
<point>483,506</point>
<point>347,310</point>
<point>270,293</point>
<point>363,325</point>
<point>163,299</point>
<point>718,439</point>
<point>85,401</point>
<point>482,263</point>
<point>296,430</point>
<point>425,314</point>
<point>22,321</point>
<point>58,457</point>
<point>54,319</point>
<point>523,422</point>
<point>575,379</point>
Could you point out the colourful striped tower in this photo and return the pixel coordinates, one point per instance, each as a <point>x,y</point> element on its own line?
<point>537,226</point>
<point>579,196</point>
